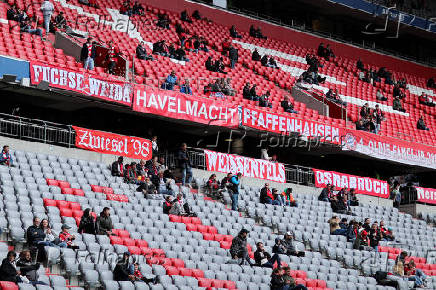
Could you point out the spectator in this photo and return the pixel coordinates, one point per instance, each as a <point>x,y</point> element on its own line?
<point>431,83</point>
<point>131,175</point>
<point>360,65</point>
<point>235,182</point>
<point>180,207</point>
<point>343,223</point>
<point>335,228</point>
<point>213,185</point>
<point>104,223</point>
<point>88,54</point>
<point>375,236</point>
<point>325,193</point>
<point>161,48</point>
<point>421,124</point>
<point>47,9</point>
<point>170,81</point>
<point>167,204</point>
<point>264,100</point>
<point>361,125</point>
<point>253,93</point>
<point>125,9</point>
<point>124,271</point>
<point>290,282</point>
<point>380,96</point>
<point>256,32</point>
<point>163,21</point>
<point>209,64</point>
<point>255,56</point>
<point>378,117</point>
<point>234,33</point>
<point>246,92</point>
<point>238,249</point>
<point>286,246</point>
<point>87,223</point>
<point>137,9</point>
<point>139,277</point>
<point>225,182</point>
<point>12,13</point>
<point>141,52</point>
<point>362,241</point>
<point>196,15</point>
<point>185,89</point>
<point>185,165</point>
<point>35,234</point>
<point>288,198</point>
<point>425,100</point>
<point>288,106</point>
<point>147,187</point>
<point>267,197</point>
<point>162,184</point>
<point>414,274</point>
<point>112,57</point>
<point>68,238</point>
<point>179,54</point>
<point>334,97</point>
<point>400,262</point>
<point>365,111</point>
<point>59,22</point>
<point>219,65</point>
<point>117,168</point>
<point>6,157</point>
<point>397,105</point>
<point>264,60</point>
<point>321,52</point>
<point>386,232</point>
<point>264,259</point>
<point>50,237</point>
<point>233,56</point>
<point>8,269</point>
<point>26,26</point>
<point>277,279</point>
<point>264,154</point>
<point>352,198</point>
<point>185,17</point>
<point>28,269</point>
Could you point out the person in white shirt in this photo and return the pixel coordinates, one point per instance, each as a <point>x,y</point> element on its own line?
<point>264,154</point>
<point>154,145</point>
<point>47,9</point>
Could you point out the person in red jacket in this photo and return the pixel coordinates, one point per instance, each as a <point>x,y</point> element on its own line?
<point>112,57</point>
<point>68,238</point>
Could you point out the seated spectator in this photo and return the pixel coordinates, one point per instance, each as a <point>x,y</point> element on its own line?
<point>125,9</point>
<point>180,207</point>
<point>163,21</point>
<point>103,224</point>
<point>335,228</point>
<point>352,198</point>
<point>200,43</point>
<point>87,223</point>
<point>414,274</point>
<point>185,17</point>
<point>124,271</point>
<point>397,105</point>
<point>26,26</point>
<point>290,282</point>
<point>362,125</point>
<point>227,88</point>
<point>185,89</point>
<point>189,45</point>
<point>286,246</point>
<point>131,175</point>
<point>360,65</point>
<point>234,33</point>
<point>362,241</point>
<point>6,157</point>
<point>264,60</point>
<point>325,193</point>
<point>380,96</point>
<point>431,83</point>
<point>137,8</point>
<point>421,124</point>
<point>246,91</point>
<point>287,105</point>
<point>263,259</point>
<point>365,111</point>
<point>138,275</point>
<point>68,238</point>
<point>239,250</point>
<point>167,204</point>
<point>386,232</point>
<point>361,75</point>
<point>35,234</point>
<point>162,184</point>
<point>253,94</point>
<point>170,81</point>
<point>226,44</point>
<point>209,64</point>
<point>28,269</point>
<point>12,13</point>
<point>141,52</point>
<point>264,100</point>
<point>8,269</point>
<point>219,65</point>
<point>272,63</point>
<point>402,83</point>
<point>212,185</point>
<point>400,261</point>
<point>256,32</point>
<point>367,225</point>
<point>397,92</point>
<point>161,48</point>
<point>375,236</point>
<point>329,53</point>
<point>59,23</point>
<point>141,168</point>
<point>51,239</point>
<point>255,56</point>
<point>117,168</point>
<point>288,198</point>
<point>343,223</point>
<point>147,187</point>
<point>425,100</point>
<point>267,197</point>
<point>321,52</point>
<point>196,15</point>
<point>226,181</point>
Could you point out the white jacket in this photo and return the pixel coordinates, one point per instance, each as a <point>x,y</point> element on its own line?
<point>47,8</point>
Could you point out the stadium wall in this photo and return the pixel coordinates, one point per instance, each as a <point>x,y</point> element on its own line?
<point>307,40</point>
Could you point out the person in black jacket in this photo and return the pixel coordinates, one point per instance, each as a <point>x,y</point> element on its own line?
<point>28,268</point>
<point>117,168</point>
<point>185,165</point>
<point>141,52</point>
<point>167,204</point>
<point>253,94</point>
<point>8,270</point>
<point>277,281</point>
<point>264,60</point>
<point>234,33</point>
<point>87,223</point>
<point>255,56</point>
<point>263,258</point>
<point>162,184</point>
<point>233,56</point>
<point>286,246</point>
<point>238,249</point>
<point>287,105</point>
<point>88,54</point>
<point>420,125</point>
<point>35,235</point>
<point>124,270</point>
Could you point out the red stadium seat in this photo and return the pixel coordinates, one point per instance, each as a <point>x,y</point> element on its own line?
<point>141,243</point>
<point>52,182</point>
<point>63,184</point>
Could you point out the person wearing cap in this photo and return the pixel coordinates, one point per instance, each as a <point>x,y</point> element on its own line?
<point>235,182</point>
<point>104,223</point>
<point>118,167</point>
<point>287,198</point>
<point>124,271</point>
<point>238,249</point>
<point>325,193</point>
<point>264,259</point>
<point>68,238</point>
<point>286,246</point>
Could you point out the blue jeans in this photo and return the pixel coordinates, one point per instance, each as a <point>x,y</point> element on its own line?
<point>36,31</point>
<point>342,232</point>
<point>47,23</point>
<point>418,278</point>
<point>89,63</point>
<point>273,202</point>
<point>291,111</point>
<point>186,172</point>
<point>166,192</point>
<point>232,63</point>
<point>270,263</point>
<point>325,199</point>
<point>234,197</point>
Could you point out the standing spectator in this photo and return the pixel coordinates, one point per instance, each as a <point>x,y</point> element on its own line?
<point>225,182</point>
<point>360,65</point>
<point>421,124</point>
<point>8,269</point>
<point>185,89</point>
<point>288,198</point>
<point>367,225</point>
<point>112,57</point>
<point>365,111</point>
<point>28,269</point>
<point>287,105</point>
<point>87,223</point>
<point>60,22</point>
<point>68,238</point>
<point>234,189</point>
<point>88,54</point>
<point>375,236</point>
<point>154,146</point>
<point>264,259</point>
<point>5,157</point>
<point>124,271</point>
<point>185,165</point>
<point>117,168</point>
<point>104,223</point>
<point>233,56</point>
<point>431,83</point>
<point>185,17</point>
<point>170,81</point>
<point>378,117</point>
<point>234,33</point>
<point>286,246</point>
<point>47,9</point>
<point>238,249</point>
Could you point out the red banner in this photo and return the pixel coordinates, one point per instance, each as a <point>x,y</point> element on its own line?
<point>176,105</point>
<point>389,148</point>
<point>427,195</point>
<point>80,82</point>
<point>249,167</point>
<point>286,124</point>
<point>362,185</point>
<point>109,143</point>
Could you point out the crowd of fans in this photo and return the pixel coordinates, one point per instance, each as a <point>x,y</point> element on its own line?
<point>408,270</point>
<point>341,201</point>
<point>274,197</point>
<point>370,120</point>
<point>221,88</point>
<point>249,93</point>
